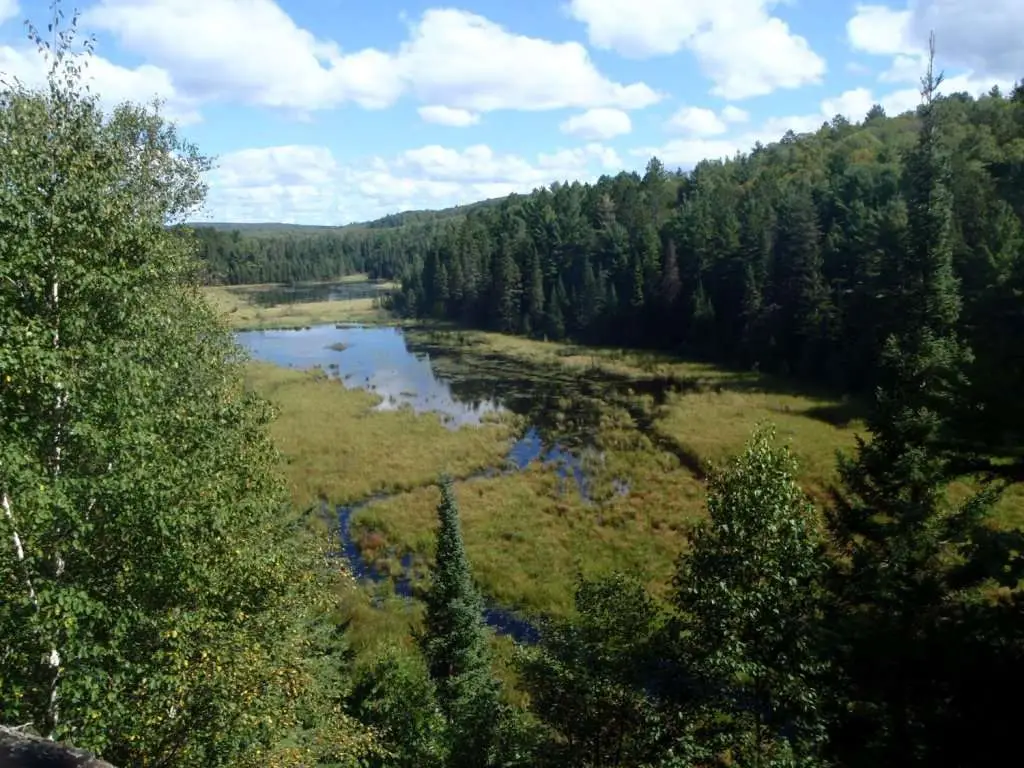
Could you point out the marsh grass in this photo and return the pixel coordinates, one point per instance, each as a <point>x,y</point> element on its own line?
<point>642,421</point>
<point>243,310</point>
<point>336,447</point>
<point>529,534</point>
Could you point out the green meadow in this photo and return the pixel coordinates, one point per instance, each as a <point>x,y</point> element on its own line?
<point>647,428</point>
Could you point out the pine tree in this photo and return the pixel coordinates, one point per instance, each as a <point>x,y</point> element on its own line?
<point>534,297</point>
<point>455,644</point>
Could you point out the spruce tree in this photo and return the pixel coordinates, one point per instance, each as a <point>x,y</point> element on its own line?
<point>455,644</point>
<point>897,531</point>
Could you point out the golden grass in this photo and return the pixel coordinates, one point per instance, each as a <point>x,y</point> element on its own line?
<point>526,538</point>
<point>527,542</point>
<point>237,305</point>
<point>336,447</point>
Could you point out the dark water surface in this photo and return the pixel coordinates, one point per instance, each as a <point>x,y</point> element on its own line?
<point>303,293</point>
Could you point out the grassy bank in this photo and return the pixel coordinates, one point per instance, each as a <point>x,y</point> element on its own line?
<point>655,424</point>
<point>652,424</point>
<point>245,306</point>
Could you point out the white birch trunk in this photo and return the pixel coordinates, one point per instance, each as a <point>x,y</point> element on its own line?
<point>54,660</point>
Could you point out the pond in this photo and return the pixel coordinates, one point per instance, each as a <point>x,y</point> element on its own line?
<point>428,379</point>
<point>380,360</point>
<point>374,358</point>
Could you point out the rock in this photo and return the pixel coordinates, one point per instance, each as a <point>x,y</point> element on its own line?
<point>19,749</point>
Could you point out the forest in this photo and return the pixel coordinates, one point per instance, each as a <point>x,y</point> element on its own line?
<point>780,259</point>
<point>164,603</point>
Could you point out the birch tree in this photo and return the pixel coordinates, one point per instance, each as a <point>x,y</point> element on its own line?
<point>151,583</point>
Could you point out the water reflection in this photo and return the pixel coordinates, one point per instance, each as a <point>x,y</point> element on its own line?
<point>372,358</point>
<point>380,360</point>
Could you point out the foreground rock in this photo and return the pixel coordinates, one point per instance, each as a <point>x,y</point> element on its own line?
<point>25,750</point>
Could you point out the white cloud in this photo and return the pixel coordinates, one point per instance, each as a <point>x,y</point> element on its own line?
<point>905,68</point>
<point>463,60</point>
<point>601,124</point>
<point>305,184</point>
<point>703,122</point>
<point>880,30</point>
<point>983,37</point>
<point>8,10</point>
<point>733,114</point>
<point>697,121</point>
<point>853,104</point>
<point>111,82</point>
<point>251,51</point>
<point>246,50</point>
<point>741,47</point>
<point>458,118</point>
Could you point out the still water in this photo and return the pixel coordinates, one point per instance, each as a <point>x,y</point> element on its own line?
<point>372,358</point>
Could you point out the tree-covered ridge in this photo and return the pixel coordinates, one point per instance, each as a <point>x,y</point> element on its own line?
<point>783,258</point>
<point>237,254</point>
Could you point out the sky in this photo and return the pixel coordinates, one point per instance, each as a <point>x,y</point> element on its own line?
<point>334,111</point>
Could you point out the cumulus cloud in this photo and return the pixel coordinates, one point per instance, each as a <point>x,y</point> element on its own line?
<point>252,52</point>
<point>697,121</point>
<point>442,115</point>
<point>880,30</point>
<point>112,83</point>
<point>703,122</point>
<point>981,37</point>
<point>306,184</point>
<point>8,10</point>
<point>740,45</point>
<point>598,124</point>
<point>733,114</point>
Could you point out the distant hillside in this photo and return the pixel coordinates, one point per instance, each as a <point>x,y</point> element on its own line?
<point>263,226</point>
<point>391,221</point>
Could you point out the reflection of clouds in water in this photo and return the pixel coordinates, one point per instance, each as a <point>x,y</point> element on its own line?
<point>375,359</point>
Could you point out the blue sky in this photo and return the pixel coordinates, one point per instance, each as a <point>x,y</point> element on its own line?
<point>331,111</point>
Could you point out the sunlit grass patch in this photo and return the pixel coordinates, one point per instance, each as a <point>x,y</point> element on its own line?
<point>336,447</point>
<point>715,425</point>
<point>529,534</point>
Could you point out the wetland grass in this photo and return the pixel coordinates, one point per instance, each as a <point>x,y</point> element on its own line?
<point>243,307</point>
<point>335,446</point>
<point>643,421</point>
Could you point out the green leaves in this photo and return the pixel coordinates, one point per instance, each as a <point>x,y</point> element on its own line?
<point>750,597</point>
<point>455,644</point>
<point>161,564</point>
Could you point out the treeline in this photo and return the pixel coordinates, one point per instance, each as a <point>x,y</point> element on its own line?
<point>780,259</point>
<point>236,257</point>
<point>246,254</point>
<point>884,629</point>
